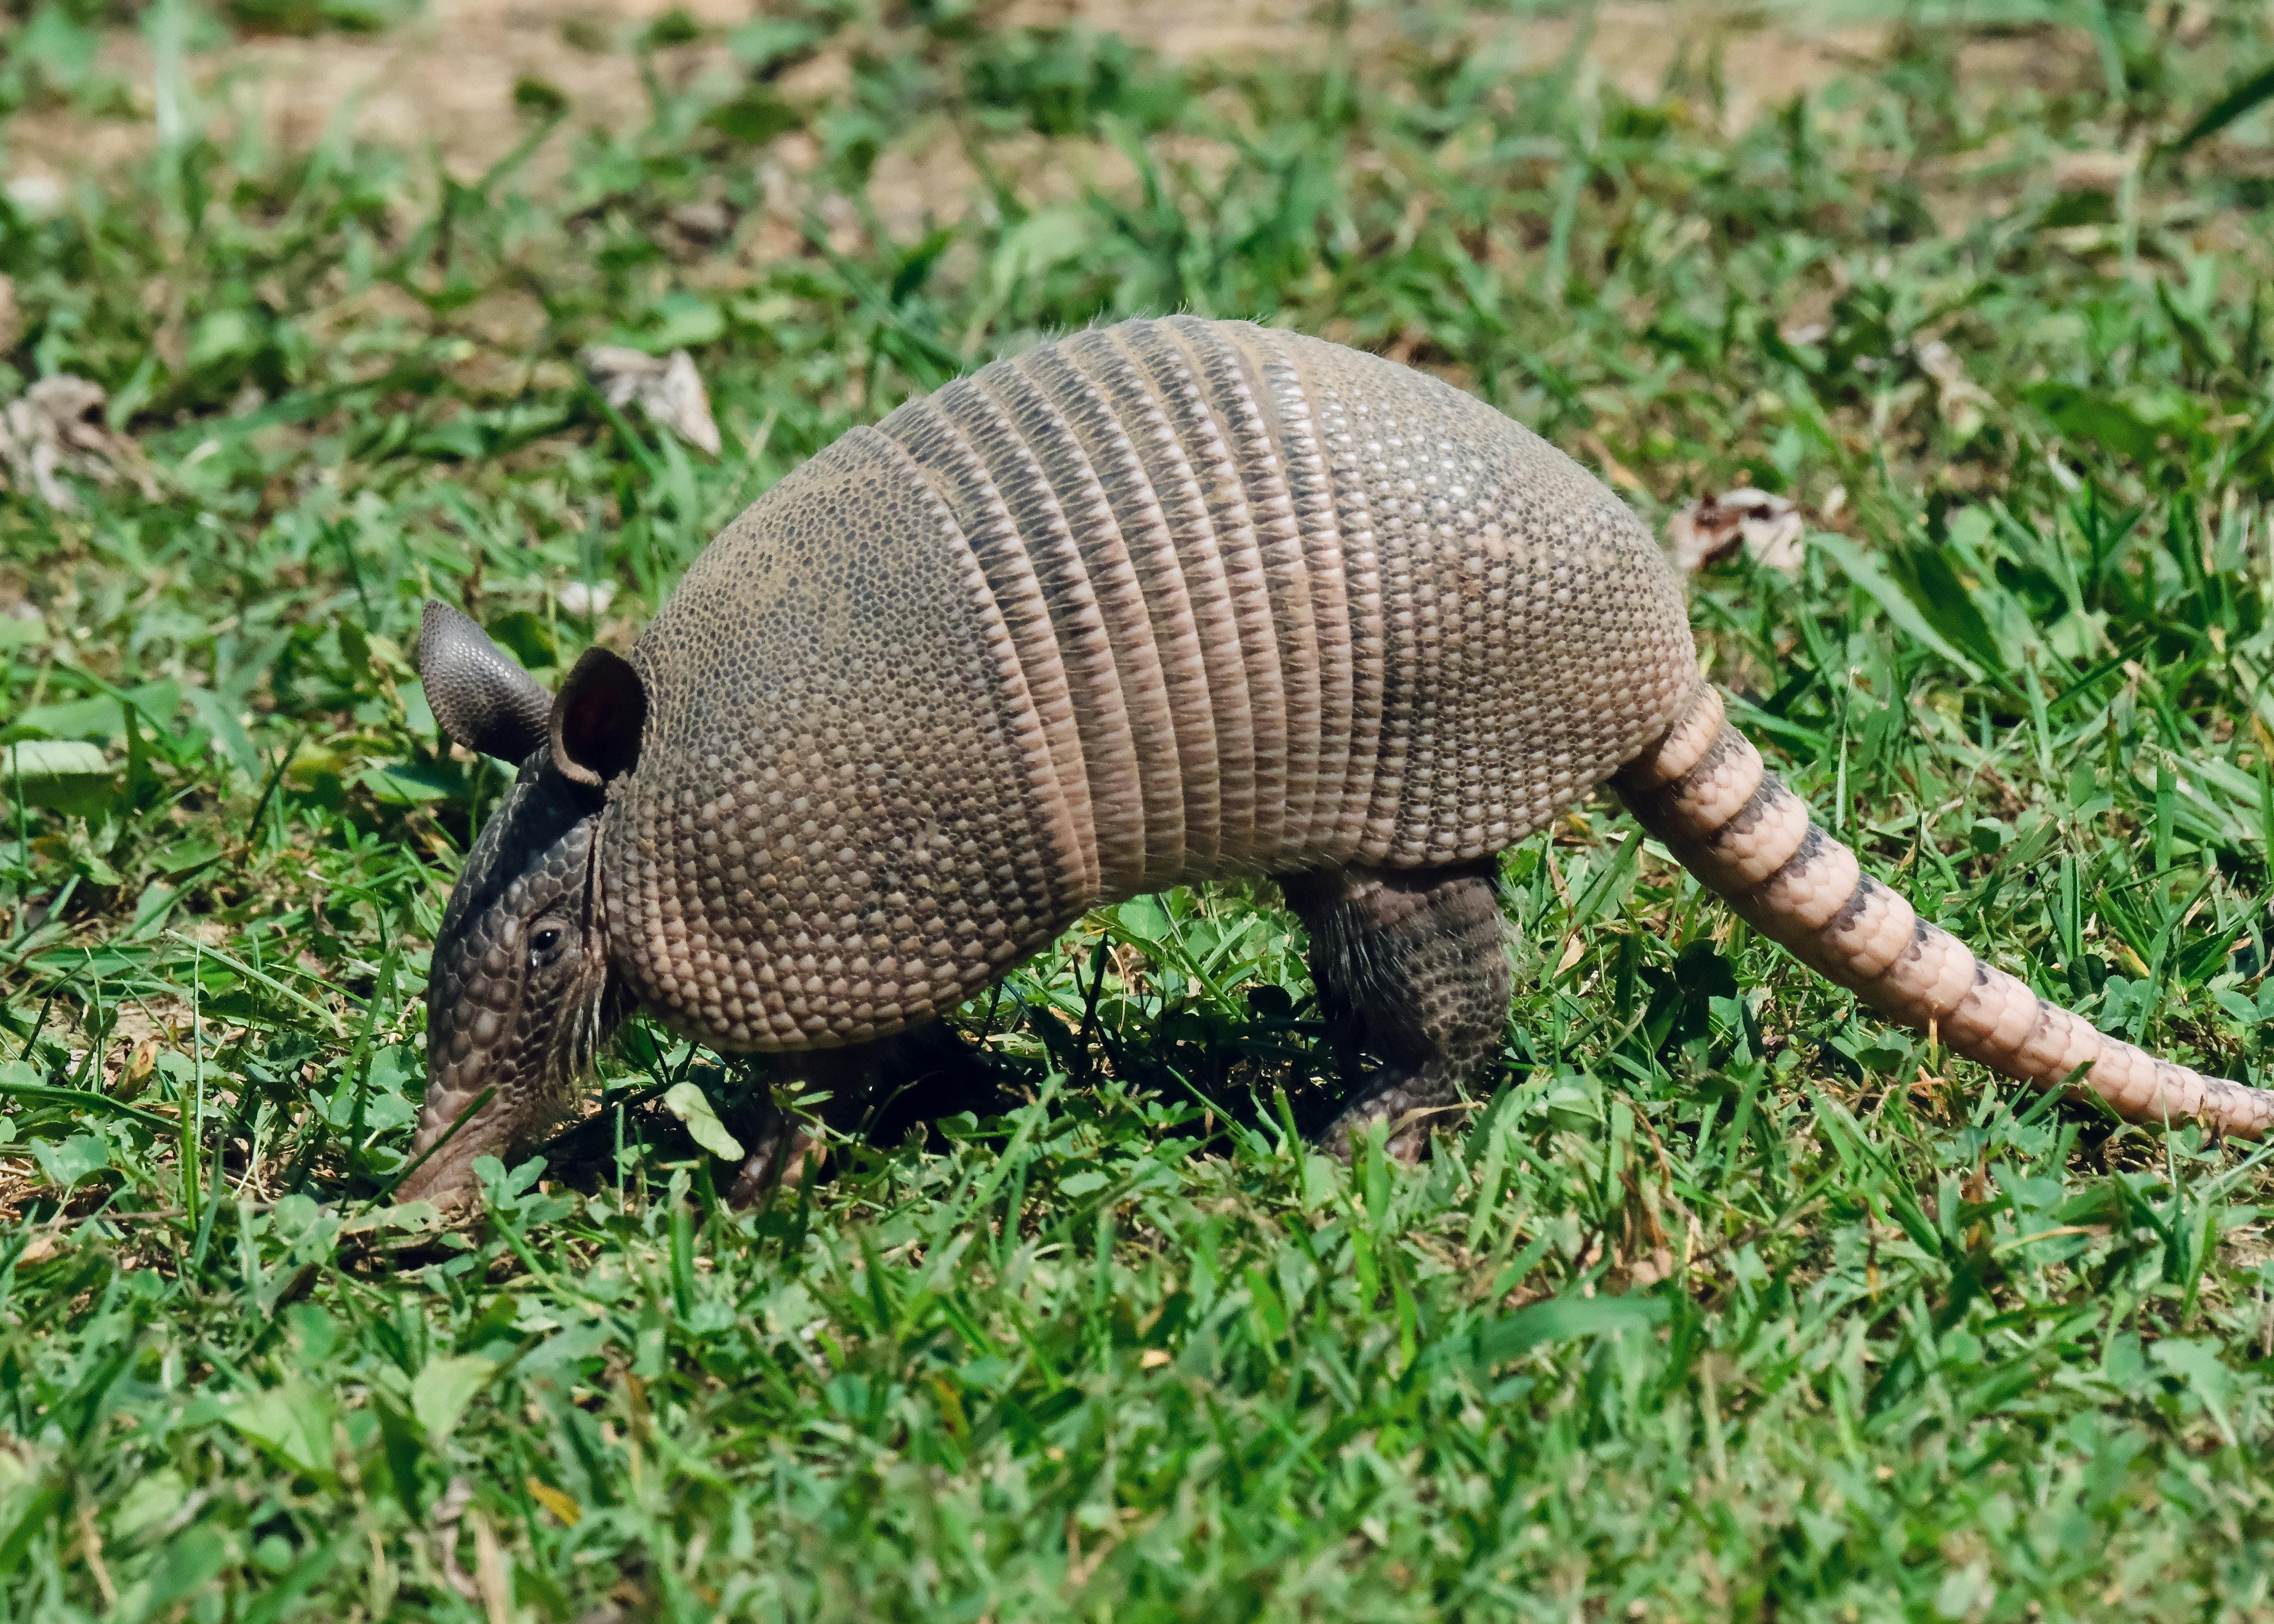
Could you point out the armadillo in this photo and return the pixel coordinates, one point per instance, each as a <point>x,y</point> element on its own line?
<point>1152,602</point>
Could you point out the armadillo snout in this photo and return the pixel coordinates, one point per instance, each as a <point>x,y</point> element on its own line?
<point>518,999</point>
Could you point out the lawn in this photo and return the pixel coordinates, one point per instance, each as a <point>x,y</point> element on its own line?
<point>1731,1302</point>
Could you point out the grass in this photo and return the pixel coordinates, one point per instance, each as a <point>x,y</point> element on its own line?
<point>1733,1303</point>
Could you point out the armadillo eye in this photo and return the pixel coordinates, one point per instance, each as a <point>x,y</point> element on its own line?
<point>542,944</point>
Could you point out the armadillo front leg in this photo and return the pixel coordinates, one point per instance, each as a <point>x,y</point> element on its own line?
<point>915,1075</point>
<point>1410,971</point>
<point>785,1145</point>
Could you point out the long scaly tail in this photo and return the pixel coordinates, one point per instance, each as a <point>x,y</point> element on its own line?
<point>1702,791</point>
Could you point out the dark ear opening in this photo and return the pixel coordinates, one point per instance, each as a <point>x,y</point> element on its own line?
<point>481,698</point>
<point>597,719</point>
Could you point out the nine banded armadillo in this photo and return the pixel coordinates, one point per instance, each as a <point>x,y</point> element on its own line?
<point>1154,602</point>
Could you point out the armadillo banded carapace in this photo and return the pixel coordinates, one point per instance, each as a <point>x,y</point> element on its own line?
<point>913,714</point>
<point>1152,602</point>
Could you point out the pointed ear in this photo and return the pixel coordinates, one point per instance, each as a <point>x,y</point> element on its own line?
<point>597,720</point>
<point>482,699</point>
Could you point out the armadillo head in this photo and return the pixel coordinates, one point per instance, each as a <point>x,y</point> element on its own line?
<point>520,995</point>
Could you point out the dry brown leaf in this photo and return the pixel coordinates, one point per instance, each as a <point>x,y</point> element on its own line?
<point>2093,171</point>
<point>490,1575</point>
<point>669,389</point>
<point>695,228</point>
<point>55,427</point>
<point>1617,472</point>
<point>442,1535</point>
<point>1714,527</point>
<point>587,599</point>
<point>1958,398</point>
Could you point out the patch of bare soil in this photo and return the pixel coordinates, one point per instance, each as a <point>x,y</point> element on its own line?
<point>444,82</point>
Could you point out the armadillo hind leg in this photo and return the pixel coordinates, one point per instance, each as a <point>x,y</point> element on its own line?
<point>878,1089</point>
<point>1411,970</point>
<point>1702,789</point>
